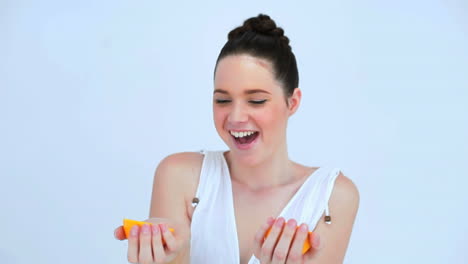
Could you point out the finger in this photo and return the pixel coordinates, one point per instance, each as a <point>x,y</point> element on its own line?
<point>315,244</point>
<point>282,248</point>
<point>133,245</point>
<point>260,236</point>
<point>146,253</point>
<point>158,248</point>
<point>314,240</point>
<point>168,238</point>
<point>119,233</point>
<point>271,240</point>
<point>295,252</point>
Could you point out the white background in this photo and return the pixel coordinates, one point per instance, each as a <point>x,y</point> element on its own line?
<point>95,93</point>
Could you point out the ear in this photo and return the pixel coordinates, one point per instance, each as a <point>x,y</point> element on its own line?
<point>294,101</point>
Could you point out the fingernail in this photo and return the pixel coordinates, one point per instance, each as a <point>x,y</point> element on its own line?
<point>163,227</point>
<point>145,229</point>
<point>270,220</point>
<point>292,223</point>
<point>134,231</point>
<point>155,229</point>
<point>280,222</point>
<point>304,227</point>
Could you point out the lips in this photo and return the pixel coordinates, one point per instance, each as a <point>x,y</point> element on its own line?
<point>247,139</point>
<point>246,142</point>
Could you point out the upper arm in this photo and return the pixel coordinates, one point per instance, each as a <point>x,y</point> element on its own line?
<point>175,179</point>
<point>343,205</point>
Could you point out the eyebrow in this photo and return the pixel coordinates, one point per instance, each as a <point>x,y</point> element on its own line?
<point>252,91</point>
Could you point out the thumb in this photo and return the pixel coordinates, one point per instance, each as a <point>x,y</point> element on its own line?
<point>119,233</point>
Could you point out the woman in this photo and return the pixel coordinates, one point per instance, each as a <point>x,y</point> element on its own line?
<point>222,204</point>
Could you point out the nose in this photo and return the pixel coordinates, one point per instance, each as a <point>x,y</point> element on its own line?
<point>238,114</point>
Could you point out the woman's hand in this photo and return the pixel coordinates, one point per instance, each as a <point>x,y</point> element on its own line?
<point>285,242</point>
<point>154,243</point>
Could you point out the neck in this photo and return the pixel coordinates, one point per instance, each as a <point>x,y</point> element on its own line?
<point>274,171</point>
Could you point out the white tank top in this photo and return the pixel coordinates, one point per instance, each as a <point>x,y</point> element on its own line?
<point>213,229</point>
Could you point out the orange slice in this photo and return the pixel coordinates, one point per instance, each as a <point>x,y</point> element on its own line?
<point>306,242</point>
<point>128,224</point>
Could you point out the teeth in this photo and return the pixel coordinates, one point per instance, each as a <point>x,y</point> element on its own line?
<point>241,134</point>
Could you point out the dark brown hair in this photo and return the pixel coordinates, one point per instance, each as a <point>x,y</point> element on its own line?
<point>260,37</point>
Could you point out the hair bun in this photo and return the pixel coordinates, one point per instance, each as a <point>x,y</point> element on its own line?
<point>261,24</point>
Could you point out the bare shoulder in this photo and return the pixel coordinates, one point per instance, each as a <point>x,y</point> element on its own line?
<point>345,194</point>
<point>182,162</point>
<point>180,170</point>
<point>175,181</point>
<point>343,204</point>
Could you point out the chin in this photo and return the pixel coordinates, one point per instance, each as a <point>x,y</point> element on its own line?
<point>249,159</point>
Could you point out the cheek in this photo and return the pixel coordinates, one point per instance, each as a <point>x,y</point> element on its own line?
<point>219,115</point>
<point>271,118</point>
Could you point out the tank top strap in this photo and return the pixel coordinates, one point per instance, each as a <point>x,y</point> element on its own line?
<point>318,197</point>
<point>209,178</point>
<point>330,184</point>
<point>213,227</point>
<point>311,201</point>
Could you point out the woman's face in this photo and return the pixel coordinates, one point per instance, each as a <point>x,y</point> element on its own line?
<point>249,107</point>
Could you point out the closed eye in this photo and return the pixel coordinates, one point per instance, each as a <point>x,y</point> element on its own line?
<point>258,102</point>
<point>219,101</point>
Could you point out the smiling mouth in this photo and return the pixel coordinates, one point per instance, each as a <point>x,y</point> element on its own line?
<point>244,138</point>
